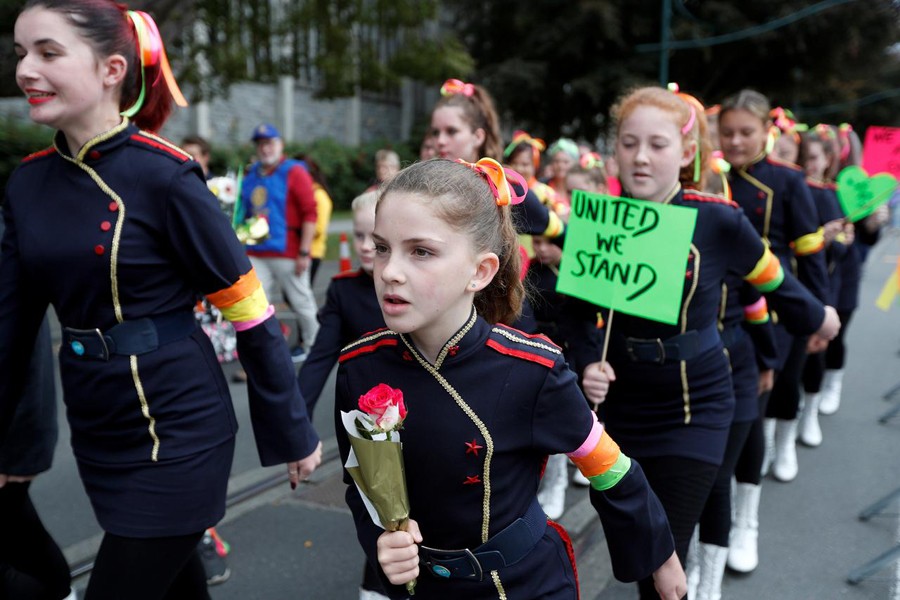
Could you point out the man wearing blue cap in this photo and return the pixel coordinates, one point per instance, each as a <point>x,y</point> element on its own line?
<point>281,190</point>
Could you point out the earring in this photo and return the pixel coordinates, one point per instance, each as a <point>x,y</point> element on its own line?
<point>473,285</point>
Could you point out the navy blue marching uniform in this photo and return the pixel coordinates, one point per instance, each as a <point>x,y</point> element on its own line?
<point>844,274</point>
<point>481,421</point>
<point>546,303</point>
<point>748,335</point>
<point>672,395</point>
<point>122,239</point>
<point>776,199</point>
<point>351,309</point>
<point>842,258</point>
<point>672,403</point>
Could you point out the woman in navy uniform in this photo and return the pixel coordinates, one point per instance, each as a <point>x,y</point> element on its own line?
<point>115,228</point>
<point>486,405</point>
<point>671,402</point>
<point>777,202</point>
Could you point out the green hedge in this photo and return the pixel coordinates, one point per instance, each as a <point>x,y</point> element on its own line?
<point>348,170</point>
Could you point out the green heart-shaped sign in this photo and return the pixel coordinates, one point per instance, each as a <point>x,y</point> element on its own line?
<point>860,194</point>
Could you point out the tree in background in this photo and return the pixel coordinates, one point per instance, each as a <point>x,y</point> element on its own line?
<point>340,47</point>
<point>556,68</point>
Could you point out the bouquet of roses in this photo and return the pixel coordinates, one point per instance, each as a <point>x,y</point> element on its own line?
<point>376,459</point>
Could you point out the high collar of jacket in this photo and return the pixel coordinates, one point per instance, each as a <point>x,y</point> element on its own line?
<point>102,143</point>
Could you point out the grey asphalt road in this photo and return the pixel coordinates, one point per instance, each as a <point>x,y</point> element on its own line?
<point>302,544</point>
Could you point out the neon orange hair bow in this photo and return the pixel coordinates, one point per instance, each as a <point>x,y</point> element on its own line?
<point>151,53</point>
<point>498,179</point>
<point>522,137</point>
<point>453,87</point>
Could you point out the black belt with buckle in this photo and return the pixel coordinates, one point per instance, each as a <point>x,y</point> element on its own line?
<point>504,549</point>
<point>684,346</point>
<point>134,337</point>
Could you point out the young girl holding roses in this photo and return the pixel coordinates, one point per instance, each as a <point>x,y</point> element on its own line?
<point>486,405</point>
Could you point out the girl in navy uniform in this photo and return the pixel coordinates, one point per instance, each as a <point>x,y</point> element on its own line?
<point>486,405</point>
<point>667,389</point>
<point>465,124</point>
<point>865,232</point>
<point>116,228</point>
<point>815,156</point>
<point>776,199</point>
<point>351,310</point>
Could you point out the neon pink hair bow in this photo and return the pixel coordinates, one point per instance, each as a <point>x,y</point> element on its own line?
<point>498,179</point>
<point>453,87</point>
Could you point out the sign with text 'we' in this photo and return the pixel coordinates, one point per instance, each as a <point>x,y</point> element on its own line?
<point>628,255</point>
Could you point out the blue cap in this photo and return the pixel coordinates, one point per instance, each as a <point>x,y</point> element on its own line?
<point>266,131</point>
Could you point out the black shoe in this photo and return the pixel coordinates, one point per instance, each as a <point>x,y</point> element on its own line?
<point>216,568</point>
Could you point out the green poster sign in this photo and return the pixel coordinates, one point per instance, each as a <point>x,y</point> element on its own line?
<point>628,255</point>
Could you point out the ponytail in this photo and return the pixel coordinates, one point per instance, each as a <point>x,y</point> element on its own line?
<point>478,110</point>
<point>148,88</point>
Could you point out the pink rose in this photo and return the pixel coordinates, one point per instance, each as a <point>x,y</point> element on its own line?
<point>384,405</point>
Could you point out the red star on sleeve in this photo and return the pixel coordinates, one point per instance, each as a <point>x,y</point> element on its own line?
<point>472,480</point>
<point>473,447</point>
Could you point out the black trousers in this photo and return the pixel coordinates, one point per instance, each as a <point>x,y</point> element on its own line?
<point>167,568</point>
<point>32,567</point>
<point>785,399</point>
<point>749,464</point>
<point>682,486</point>
<point>715,522</point>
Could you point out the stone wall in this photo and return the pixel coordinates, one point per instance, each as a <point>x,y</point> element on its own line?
<point>299,116</point>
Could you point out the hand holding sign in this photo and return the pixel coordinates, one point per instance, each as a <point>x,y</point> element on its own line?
<point>627,255</point>
<point>861,195</point>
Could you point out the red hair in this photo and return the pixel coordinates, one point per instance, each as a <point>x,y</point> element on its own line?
<point>679,106</point>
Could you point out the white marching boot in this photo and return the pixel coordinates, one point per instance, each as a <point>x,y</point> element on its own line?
<point>810,432</point>
<point>769,442</point>
<point>712,568</point>
<point>365,594</point>
<point>552,494</point>
<point>785,467</point>
<point>743,553</point>
<point>692,566</point>
<point>832,384</point>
